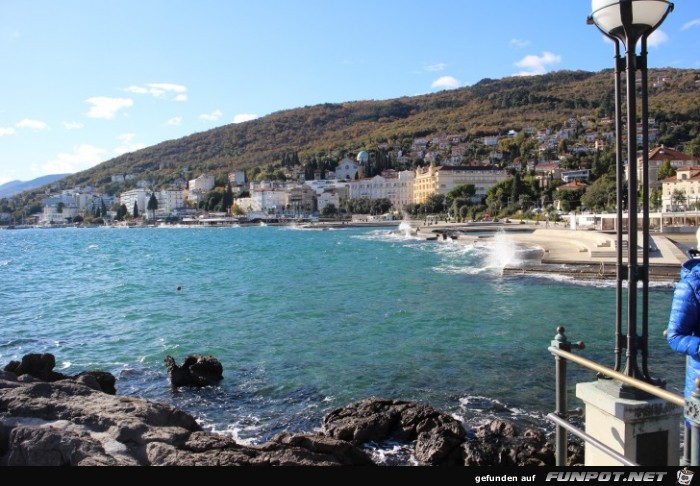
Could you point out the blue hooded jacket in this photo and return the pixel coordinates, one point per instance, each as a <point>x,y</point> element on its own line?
<point>683,333</point>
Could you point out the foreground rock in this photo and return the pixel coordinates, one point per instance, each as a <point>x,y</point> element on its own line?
<point>67,423</point>
<point>47,418</point>
<point>40,367</point>
<point>438,436</point>
<point>196,370</point>
<point>499,443</point>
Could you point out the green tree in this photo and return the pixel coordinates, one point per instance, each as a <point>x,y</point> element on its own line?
<point>59,207</point>
<point>677,198</point>
<point>227,199</point>
<point>329,210</point>
<point>601,195</point>
<point>463,191</point>
<point>570,199</point>
<point>655,199</point>
<point>435,203</point>
<point>135,212</point>
<point>152,205</point>
<point>666,170</point>
<point>121,212</point>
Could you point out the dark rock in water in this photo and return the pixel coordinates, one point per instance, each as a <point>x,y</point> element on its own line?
<point>499,443</point>
<point>437,435</point>
<point>39,366</point>
<point>8,376</point>
<point>104,380</point>
<point>196,370</point>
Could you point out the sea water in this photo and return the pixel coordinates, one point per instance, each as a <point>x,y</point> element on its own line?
<point>306,321</point>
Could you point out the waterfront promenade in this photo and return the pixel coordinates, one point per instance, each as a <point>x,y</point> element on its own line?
<point>582,252</point>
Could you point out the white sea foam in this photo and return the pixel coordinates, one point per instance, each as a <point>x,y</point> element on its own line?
<point>244,431</point>
<point>503,252</point>
<point>598,283</point>
<point>476,410</point>
<point>391,453</point>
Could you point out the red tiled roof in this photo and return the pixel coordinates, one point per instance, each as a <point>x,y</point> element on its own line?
<point>665,153</point>
<point>573,185</point>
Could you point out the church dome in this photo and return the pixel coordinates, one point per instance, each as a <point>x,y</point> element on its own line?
<point>363,157</point>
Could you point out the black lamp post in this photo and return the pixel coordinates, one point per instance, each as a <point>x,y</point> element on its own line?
<point>631,22</point>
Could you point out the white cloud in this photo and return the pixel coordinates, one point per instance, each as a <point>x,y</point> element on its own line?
<point>244,117</point>
<point>534,65</point>
<point>446,82</point>
<point>691,24</point>
<point>6,131</point>
<point>174,121</point>
<point>127,144</point>
<point>83,157</point>
<point>33,124</point>
<point>213,116</point>
<point>657,38</point>
<point>72,125</point>
<point>136,90</point>
<point>519,43</point>
<point>103,107</point>
<point>436,67</point>
<point>160,90</point>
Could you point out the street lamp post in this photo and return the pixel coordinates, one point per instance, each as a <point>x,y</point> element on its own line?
<point>630,22</point>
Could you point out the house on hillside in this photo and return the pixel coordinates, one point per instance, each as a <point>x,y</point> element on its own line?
<point>657,157</point>
<point>682,191</point>
<point>559,195</point>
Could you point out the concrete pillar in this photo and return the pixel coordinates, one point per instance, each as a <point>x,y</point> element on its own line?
<point>645,431</point>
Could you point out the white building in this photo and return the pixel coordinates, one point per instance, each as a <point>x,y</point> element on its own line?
<point>237,178</point>
<point>682,191</point>
<point>138,196</point>
<point>330,196</point>
<point>203,183</point>
<point>169,201</point>
<point>347,169</point>
<point>269,201</point>
<point>323,185</point>
<point>441,180</point>
<point>392,185</point>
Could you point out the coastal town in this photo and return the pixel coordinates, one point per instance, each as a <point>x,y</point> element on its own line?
<point>563,165</point>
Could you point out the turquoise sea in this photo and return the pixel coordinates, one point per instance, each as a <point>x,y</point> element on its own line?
<point>305,321</point>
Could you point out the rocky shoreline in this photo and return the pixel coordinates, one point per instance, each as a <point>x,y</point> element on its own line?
<point>51,419</point>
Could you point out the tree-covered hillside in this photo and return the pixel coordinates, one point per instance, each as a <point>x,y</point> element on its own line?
<point>331,131</point>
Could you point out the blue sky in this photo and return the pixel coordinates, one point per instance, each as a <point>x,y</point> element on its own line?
<point>84,81</point>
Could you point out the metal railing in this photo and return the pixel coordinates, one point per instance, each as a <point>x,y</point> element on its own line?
<point>561,349</point>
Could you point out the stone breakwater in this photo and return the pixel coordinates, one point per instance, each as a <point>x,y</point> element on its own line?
<point>55,420</point>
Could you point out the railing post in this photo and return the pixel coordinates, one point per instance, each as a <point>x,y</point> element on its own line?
<point>562,403</point>
<point>561,439</point>
<point>685,460</point>
<point>692,415</point>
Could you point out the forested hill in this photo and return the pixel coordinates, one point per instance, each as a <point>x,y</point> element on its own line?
<point>489,107</point>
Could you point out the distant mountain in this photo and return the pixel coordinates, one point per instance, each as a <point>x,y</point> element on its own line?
<point>11,188</point>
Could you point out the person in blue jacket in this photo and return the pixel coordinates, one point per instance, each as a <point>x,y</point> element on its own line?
<point>683,333</point>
